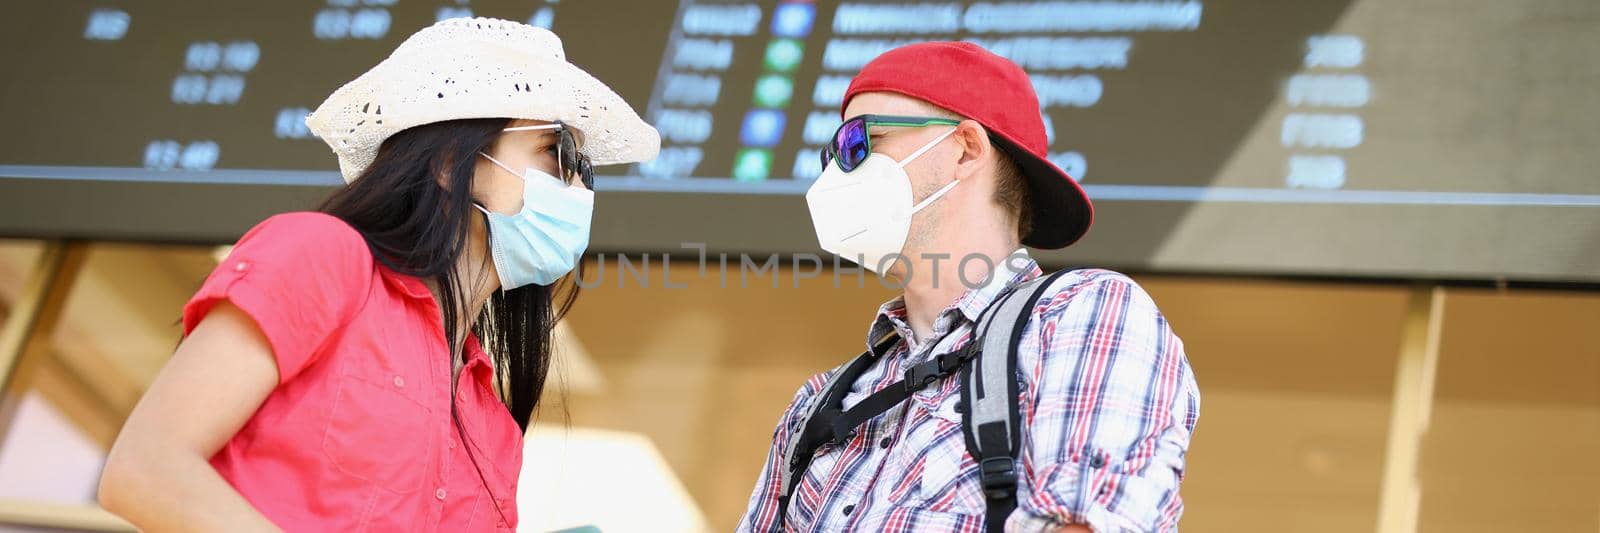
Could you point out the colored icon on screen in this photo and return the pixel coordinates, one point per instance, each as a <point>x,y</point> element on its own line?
<point>762,127</point>
<point>783,55</point>
<point>793,19</point>
<point>807,166</point>
<point>543,18</point>
<point>774,91</point>
<point>448,12</point>
<point>752,164</point>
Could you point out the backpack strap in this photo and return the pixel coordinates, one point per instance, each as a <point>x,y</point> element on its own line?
<point>995,337</point>
<point>990,419</point>
<point>814,426</point>
<point>825,420</point>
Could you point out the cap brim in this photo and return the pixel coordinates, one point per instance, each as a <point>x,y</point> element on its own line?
<point>1062,213</point>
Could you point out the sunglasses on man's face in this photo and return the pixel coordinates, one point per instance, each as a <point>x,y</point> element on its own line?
<point>852,142</point>
<point>574,166</point>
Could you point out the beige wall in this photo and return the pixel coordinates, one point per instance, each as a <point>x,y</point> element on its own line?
<point>1296,379</point>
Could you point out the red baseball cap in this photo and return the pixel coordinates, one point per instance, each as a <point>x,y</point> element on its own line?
<point>979,85</point>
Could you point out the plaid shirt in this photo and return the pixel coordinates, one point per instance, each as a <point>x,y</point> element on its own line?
<point>1108,404</point>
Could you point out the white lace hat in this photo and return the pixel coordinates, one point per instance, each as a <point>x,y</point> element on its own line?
<point>478,68</point>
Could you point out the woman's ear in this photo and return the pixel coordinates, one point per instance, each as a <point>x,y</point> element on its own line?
<point>443,178</point>
<point>441,175</point>
<point>480,167</point>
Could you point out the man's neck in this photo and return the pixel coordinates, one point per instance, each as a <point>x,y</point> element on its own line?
<point>937,278</point>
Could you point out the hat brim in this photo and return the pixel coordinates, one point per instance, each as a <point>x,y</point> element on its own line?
<point>455,88</point>
<point>1062,212</point>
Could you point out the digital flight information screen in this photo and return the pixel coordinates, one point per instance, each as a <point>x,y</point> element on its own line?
<point>1365,137</point>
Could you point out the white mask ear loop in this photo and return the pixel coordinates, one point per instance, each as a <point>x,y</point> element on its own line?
<point>942,190</point>
<point>498,163</point>
<point>507,169</point>
<point>935,195</point>
<point>925,148</point>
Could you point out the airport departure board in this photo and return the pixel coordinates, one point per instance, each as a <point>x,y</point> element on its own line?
<point>1343,137</point>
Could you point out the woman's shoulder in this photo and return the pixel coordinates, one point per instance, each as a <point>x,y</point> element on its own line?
<point>306,235</point>
<point>306,221</point>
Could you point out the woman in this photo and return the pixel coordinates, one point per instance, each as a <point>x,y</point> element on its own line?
<point>331,376</point>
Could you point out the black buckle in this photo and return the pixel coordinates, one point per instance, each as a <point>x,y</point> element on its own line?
<point>842,436</point>
<point>998,476</point>
<point>921,374</point>
<point>951,361</point>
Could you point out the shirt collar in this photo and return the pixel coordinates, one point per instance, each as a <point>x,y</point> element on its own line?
<point>1015,269</point>
<point>1012,270</point>
<point>476,355</point>
<point>409,285</point>
<point>414,288</point>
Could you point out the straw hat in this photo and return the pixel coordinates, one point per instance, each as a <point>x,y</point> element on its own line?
<point>478,68</point>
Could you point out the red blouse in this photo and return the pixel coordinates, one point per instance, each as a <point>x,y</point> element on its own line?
<point>358,433</point>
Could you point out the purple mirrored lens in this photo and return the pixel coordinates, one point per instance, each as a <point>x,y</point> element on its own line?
<point>850,144</point>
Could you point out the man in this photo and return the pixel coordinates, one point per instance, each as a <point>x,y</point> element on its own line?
<point>936,179</point>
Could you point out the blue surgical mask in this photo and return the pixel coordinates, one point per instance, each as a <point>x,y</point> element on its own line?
<point>544,240</point>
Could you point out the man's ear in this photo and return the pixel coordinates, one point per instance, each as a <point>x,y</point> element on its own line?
<point>973,140</point>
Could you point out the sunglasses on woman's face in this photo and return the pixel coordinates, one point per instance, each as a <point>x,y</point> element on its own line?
<point>852,144</point>
<point>574,166</point>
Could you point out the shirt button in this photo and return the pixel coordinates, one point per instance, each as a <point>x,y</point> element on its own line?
<point>439,494</point>
<point>399,381</point>
<point>884,443</point>
<point>849,509</point>
<point>452,444</point>
<point>241,266</point>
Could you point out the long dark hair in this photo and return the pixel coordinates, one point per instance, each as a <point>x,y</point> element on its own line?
<point>418,228</point>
